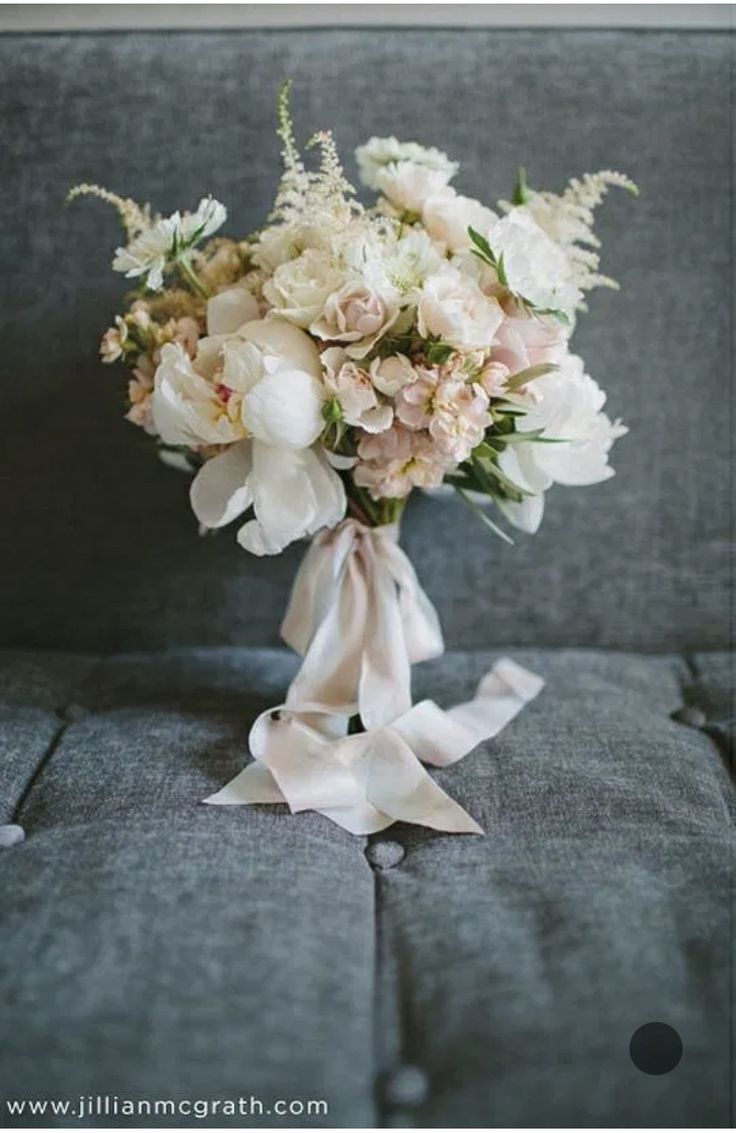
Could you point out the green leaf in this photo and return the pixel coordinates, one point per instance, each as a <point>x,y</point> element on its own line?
<point>490,469</point>
<point>484,248</point>
<point>481,515</point>
<point>521,194</point>
<point>438,352</point>
<point>553,313</point>
<point>501,272</point>
<point>525,376</point>
<point>518,438</point>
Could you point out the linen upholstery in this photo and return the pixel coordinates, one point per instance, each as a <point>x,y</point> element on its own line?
<point>103,553</point>
<point>154,947</point>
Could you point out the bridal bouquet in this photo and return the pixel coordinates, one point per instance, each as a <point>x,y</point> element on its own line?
<point>316,373</point>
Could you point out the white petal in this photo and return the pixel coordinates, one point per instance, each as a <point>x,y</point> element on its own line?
<point>377,420</point>
<point>525,516</point>
<point>285,409</point>
<point>287,341</point>
<point>220,491</point>
<point>295,493</point>
<point>228,311</point>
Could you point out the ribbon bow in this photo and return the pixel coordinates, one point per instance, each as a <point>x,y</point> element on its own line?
<point>360,620</point>
<point>367,781</point>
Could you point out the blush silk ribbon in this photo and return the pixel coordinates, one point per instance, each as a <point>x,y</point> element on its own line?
<point>360,620</point>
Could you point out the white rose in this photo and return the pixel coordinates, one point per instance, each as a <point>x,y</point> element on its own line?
<point>535,268</point>
<point>456,310</point>
<point>299,288</point>
<point>447,217</point>
<point>353,312</point>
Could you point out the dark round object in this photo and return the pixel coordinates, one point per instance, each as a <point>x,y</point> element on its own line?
<point>656,1048</point>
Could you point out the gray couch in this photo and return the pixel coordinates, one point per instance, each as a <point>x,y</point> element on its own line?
<point>156,948</point>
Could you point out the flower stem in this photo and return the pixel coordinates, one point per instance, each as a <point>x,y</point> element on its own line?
<point>192,278</point>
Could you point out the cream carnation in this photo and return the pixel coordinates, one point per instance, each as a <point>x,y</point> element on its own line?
<point>380,153</point>
<point>408,186</point>
<point>454,309</point>
<point>534,267</point>
<point>448,216</point>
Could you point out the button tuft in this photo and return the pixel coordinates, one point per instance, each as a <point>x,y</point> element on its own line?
<point>11,835</point>
<point>406,1087</point>
<point>385,854</point>
<point>72,712</point>
<point>691,716</point>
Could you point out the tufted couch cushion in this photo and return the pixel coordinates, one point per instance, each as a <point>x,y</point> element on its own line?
<point>158,948</point>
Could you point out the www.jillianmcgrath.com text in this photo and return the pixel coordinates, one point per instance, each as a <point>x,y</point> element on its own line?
<point>88,1107</point>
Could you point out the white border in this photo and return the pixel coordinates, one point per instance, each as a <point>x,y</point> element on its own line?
<point>45,17</point>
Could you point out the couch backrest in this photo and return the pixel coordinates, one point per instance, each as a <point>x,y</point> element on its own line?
<point>101,549</point>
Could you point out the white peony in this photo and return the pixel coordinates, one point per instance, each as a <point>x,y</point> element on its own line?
<point>299,289</point>
<point>535,268</point>
<point>454,309</point>
<point>185,407</point>
<point>447,217</point>
<point>378,153</point>
<point>567,406</point>
<point>229,310</point>
<point>260,387</point>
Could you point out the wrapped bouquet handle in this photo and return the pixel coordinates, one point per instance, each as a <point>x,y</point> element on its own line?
<point>359,618</point>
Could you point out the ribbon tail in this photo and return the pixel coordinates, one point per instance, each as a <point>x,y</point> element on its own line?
<point>396,782</point>
<point>254,784</point>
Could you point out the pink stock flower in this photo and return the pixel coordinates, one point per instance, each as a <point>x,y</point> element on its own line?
<point>453,410</point>
<point>414,402</point>
<point>394,462</point>
<point>493,377</point>
<point>459,419</point>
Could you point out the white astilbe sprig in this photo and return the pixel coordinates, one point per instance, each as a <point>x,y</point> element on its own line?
<point>305,195</point>
<point>568,219</point>
<point>134,218</point>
